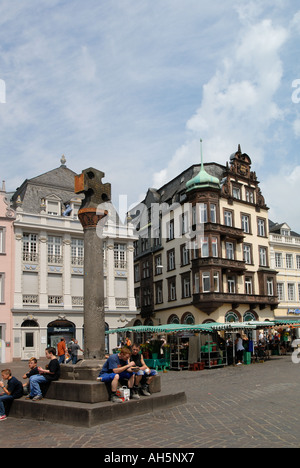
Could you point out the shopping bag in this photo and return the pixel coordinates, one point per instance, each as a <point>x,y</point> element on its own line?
<point>123,393</point>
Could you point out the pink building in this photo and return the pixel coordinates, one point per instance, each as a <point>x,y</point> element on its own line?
<point>7,218</point>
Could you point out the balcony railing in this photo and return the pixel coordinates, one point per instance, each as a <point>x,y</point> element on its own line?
<point>55,300</point>
<point>55,259</point>
<point>30,257</point>
<point>77,261</point>
<point>30,299</point>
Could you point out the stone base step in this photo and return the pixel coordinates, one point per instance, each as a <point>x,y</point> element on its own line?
<point>86,414</point>
<point>85,391</point>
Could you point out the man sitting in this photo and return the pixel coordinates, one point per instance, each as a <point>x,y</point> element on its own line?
<point>48,375</point>
<point>144,375</point>
<point>116,368</point>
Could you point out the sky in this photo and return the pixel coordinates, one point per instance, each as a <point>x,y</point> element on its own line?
<point>130,86</point>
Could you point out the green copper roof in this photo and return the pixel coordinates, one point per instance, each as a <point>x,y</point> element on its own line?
<point>202,179</point>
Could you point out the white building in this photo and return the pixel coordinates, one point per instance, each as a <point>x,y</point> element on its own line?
<point>49,251</point>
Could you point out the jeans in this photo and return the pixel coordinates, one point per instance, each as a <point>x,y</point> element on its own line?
<point>2,399</point>
<point>35,381</point>
<point>61,359</point>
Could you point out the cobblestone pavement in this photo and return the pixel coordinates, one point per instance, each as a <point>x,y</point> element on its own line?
<point>234,407</point>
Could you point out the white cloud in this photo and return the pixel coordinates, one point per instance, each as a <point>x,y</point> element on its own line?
<point>282,192</point>
<point>238,102</point>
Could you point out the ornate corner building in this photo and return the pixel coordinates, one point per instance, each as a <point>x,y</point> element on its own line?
<point>203,248</point>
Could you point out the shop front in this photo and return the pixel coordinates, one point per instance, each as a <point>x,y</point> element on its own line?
<point>58,329</point>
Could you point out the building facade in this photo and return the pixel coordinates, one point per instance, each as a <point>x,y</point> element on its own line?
<point>7,218</point>
<point>49,259</point>
<point>203,249</point>
<point>285,258</point>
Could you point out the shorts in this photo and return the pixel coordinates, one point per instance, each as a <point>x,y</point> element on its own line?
<point>150,373</point>
<point>106,378</point>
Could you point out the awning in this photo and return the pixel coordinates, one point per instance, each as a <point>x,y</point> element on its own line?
<point>205,327</point>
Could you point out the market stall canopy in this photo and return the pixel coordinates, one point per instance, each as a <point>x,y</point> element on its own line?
<point>205,327</point>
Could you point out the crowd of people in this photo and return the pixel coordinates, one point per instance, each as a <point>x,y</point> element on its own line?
<point>127,368</point>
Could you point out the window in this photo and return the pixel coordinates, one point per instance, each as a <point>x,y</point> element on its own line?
<point>228,218</point>
<point>1,287</point>
<point>30,248</point>
<point>262,256</point>
<point>280,291</point>
<point>184,223</point>
<point>2,240</point>
<point>159,293</point>
<point>289,260</point>
<point>146,297</point>
<point>213,213</point>
<point>206,282</point>
<point>146,270</point>
<point>158,265</point>
<point>247,254</point>
<point>53,207</point>
<point>291,292</point>
<point>216,282</point>
<point>270,286</point>
<point>203,212</point>
<point>261,227</point>
<point>246,224</point>
<point>185,257</point>
<point>229,251</point>
<point>278,260</point>
<point>171,231</point>
<point>231,284</point>
<point>186,286</point>
<point>120,255</point>
<point>171,259</point>
<point>172,289</point>
<point>54,249</point>
<point>298,262</point>
<point>196,283</point>
<point>214,244</point>
<point>249,196</point>
<point>204,247</point>
<point>248,285</point>
<point>77,251</point>
<point>236,192</point>
<point>136,273</point>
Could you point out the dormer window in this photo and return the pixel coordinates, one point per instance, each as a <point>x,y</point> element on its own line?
<point>285,232</point>
<point>53,206</point>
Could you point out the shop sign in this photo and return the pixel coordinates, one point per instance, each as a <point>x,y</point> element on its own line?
<point>293,311</point>
<point>61,330</point>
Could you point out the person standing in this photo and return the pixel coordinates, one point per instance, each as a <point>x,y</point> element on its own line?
<point>61,350</point>
<point>239,349</point>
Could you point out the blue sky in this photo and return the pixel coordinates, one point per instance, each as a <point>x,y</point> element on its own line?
<point>130,86</point>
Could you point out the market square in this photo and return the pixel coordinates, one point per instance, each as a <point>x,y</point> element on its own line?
<point>233,407</point>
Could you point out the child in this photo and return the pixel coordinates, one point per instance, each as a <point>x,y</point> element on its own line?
<point>12,391</point>
<point>45,375</point>
<point>33,371</point>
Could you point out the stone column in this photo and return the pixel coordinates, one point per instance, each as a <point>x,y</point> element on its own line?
<point>90,215</point>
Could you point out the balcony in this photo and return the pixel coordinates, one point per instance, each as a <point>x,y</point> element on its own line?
<point>227,265</point>
<point>32,257</point>
<point>55,301</point>
<point>225,231</point>
<point>55,259</point>
<point>209,302</point>
<point>30,300</point>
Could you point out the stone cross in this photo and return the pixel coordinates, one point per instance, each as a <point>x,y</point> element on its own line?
<point>89,182</point>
